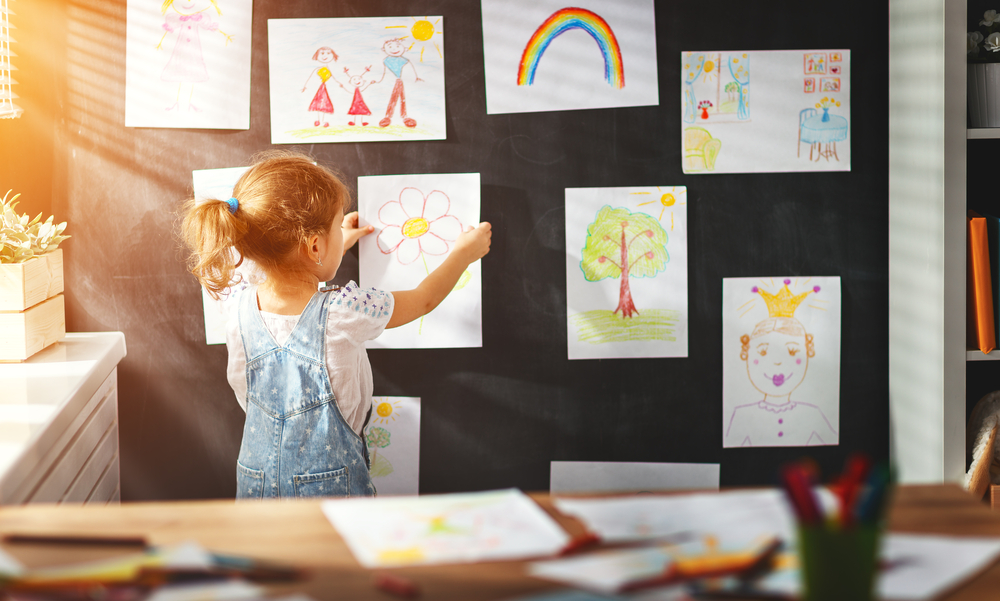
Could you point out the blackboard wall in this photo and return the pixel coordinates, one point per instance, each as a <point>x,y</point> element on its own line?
<point>496,416</point>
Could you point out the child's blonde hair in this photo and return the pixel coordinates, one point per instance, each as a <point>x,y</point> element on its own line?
<point>283,199</point>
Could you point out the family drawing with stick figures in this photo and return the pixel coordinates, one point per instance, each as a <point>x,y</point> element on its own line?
<point>321,107</point>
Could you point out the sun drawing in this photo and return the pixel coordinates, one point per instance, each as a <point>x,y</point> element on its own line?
<point>422,31</point>
<point>710,71</point>
<point>385,411</point>
<point>668,199</point>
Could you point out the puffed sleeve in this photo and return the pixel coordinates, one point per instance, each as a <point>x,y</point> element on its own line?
<point>359,314</point>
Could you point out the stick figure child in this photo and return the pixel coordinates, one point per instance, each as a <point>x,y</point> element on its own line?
<point>395,62</point>
<point>777,357</point>
<point>187,63</point>
<point>321,103</point>
<point>358,106</point>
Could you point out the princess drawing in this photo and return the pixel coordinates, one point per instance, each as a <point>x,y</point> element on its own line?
<point>777,355</point>
<point>186,66</point>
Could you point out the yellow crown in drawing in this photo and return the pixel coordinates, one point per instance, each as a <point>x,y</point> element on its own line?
<point>784,303</point>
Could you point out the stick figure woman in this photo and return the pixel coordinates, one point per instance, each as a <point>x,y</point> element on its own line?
<point>187,64</point>
<point>777,355</point>
<point>321,103</point>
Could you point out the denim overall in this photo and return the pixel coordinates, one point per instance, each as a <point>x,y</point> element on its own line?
<point>296,443</point>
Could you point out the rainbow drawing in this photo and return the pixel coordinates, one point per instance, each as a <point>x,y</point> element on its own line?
<point>562,21</point>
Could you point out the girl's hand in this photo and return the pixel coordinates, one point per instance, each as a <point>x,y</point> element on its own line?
<point>473,243</point>
<point>353,233</point>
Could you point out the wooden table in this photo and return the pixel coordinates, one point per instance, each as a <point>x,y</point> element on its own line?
<point>296,532</point>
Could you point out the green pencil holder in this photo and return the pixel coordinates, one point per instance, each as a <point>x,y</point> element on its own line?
<point>838,564</point>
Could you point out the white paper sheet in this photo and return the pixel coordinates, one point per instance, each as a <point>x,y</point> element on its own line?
<point>441,205</point>
<point>612,476</point>
<point>436,529</point>
<point>217,184</point>
<point>781,361</point>
<point>797,117</point>
<point>393,437</point>
<point>599,302</point>
<point>540,55</point>
<point>366,62</point>
<point>736,518</point>
<point>187,64</point>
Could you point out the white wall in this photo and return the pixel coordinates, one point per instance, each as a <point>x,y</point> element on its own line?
<point>927,133</point>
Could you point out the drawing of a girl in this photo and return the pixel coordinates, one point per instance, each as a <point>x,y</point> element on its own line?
<point>358,106</point>
<point>186,66</point>
<point>321,103</point>
<point>777,355</point>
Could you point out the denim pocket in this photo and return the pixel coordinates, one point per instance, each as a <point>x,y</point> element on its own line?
<point>249,482</point>
<point>323,484</point>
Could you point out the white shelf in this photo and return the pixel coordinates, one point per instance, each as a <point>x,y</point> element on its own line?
<point>980,133</point>
<point>978,355</point>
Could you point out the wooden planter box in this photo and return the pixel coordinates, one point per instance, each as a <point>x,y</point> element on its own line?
<point>32,310</point>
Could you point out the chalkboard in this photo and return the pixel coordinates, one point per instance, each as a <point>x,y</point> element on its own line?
<point>496,416</point>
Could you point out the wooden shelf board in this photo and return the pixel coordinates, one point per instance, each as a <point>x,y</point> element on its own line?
<point>979,133</point>
<point>978,355</point>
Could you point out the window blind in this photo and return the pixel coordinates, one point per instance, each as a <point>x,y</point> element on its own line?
<point>8,110</point>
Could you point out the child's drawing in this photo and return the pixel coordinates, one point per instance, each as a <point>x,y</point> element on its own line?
<point>188,64</point>
<point>321,105</point>
<point>626,272</point>
<point>567,19</point>
<point>392,62</point>
<point>455,528</point>
<point>417,218</point>
<point>358,106</point>
<point>393,438</point>
<point>716,87</point>
<point>717,111</point>
<point>545,55</point>
<point>781,361</point>
<point>814,63</point>
<point>218,184</point>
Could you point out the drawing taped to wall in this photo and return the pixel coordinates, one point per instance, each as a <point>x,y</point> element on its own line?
<point>417,219</point>
<point>217,184</point>
<point>781,361</point>
<point>393,438</point>
<point>545,55</point>
<point>754,135</point>
<point>188,64</point>
<point>354,67</point>
<point>626,272</point>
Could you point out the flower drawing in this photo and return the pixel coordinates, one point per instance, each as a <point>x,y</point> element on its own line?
<point>416,225</point>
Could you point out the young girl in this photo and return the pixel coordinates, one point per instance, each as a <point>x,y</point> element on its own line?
<point>297,360</point>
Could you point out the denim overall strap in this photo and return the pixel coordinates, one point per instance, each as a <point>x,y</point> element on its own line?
<point>296,443</point>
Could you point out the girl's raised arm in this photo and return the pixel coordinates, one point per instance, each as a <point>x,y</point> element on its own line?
<point>471,246</point>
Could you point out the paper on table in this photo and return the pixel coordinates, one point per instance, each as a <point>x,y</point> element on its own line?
<point>735,518</point>
<point>609,476</point>
<point>605,572</point>
<point>454,528</point>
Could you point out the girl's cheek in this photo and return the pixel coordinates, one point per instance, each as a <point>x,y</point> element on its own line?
<point>755,362</point>
<point>798,362</point>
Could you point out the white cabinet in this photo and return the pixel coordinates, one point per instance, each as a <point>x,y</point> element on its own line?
<point>59,423</point>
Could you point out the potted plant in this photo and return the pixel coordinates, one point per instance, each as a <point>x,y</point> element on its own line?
<point>32,311</point>
<point>983,47</point>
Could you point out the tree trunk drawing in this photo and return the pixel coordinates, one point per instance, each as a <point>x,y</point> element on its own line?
<point>625,304</point>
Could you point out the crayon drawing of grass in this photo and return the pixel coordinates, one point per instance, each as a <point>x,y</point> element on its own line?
<point>392,131</point>
<point>601,326</point>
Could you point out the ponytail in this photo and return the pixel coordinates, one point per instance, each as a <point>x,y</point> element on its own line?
<point>211,230</point>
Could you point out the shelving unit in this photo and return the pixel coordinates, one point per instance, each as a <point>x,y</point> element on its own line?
<point>982,133</point>
<point>977,355</point>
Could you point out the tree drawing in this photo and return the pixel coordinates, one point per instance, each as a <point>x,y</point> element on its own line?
<point>731,89</point>
<point>622,244</point>
<point>378,438</point>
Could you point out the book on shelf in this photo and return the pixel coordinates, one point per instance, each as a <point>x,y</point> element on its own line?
<point>982,332</point>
